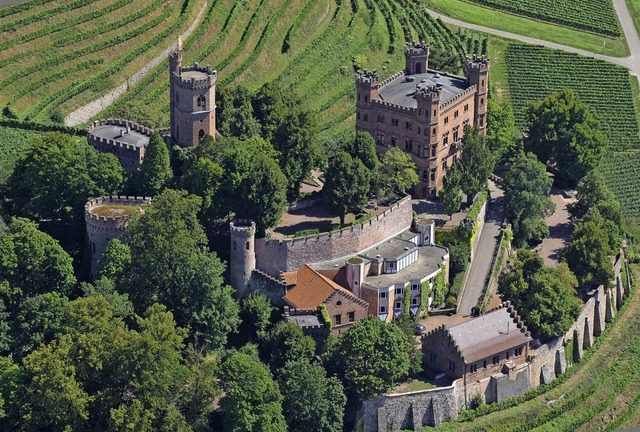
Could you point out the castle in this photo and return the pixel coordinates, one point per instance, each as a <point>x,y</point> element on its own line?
<point>192,117</point>
<point>423,112</point>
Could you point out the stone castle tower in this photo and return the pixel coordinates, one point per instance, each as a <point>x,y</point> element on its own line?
<point>106,218</point>
<point>477,72</point>
<point>192,101</point>
<point>416,56</point>
<point>242,261</point>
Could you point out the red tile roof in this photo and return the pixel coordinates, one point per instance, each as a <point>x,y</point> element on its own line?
<point>312,289</point>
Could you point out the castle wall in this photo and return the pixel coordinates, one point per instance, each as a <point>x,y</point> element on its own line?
<point>130,156</point>
<point>274,256</point>
<point>273,288</point>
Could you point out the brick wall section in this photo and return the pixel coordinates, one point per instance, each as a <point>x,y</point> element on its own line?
<point>130,156</point>
<point>340,304</point>
<point>274,256</point>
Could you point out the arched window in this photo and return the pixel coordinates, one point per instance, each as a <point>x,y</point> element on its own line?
<point>202,101</point>
<point>201,134</point>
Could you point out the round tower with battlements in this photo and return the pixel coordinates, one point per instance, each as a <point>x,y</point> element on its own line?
<point>242,260</point>
<point>477,72</point>
<point>367,84</point>
<point>106,218</point>
<point>192,101</point>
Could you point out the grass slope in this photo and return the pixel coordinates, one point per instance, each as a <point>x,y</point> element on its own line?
<point>600,393</point>
<point>475,14</point>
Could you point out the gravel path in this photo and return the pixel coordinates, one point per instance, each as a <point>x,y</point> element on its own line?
<point>93,108</point>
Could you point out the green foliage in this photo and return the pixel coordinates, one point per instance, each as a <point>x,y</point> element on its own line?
<point>324,316</point>
<point>14,143</point>
<point>451,194</point>
<point>347,183</point>
<point>114,261</point>
<point>425,293</point>
<point>255,314</point>
<point>502,134</point>
<point>371,357</point>
<point>526,188</point>
<point>363,147</point>
<point>252,398</point>
<point>439,287</point>
<point>398,172</point>
<point>476,162</point>
<point>104,287</point>
<point>474,211</point>
<point>592,192</point>
<point>32,263</point>
<point>312,401</point>
<point>56,178</point>
<point>155,172</point>
<point>591,15</point>
<point>545,297</point>
<point>565,134</point>
<point>170,264</point>
<point>588,253</point>
<point>286,342</point>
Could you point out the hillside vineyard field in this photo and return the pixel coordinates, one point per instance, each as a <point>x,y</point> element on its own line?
<point>64,54</point>
<point>534,72</point>
<point>597,16</point>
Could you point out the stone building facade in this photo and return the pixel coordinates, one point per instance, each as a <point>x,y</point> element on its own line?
<point>124,139</point>
<point>192,101</point>
<point>106,218</point>
<point>423,112</point>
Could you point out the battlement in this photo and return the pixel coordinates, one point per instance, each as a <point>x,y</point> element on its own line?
<point>392,78</point>
<point>246,226</point>
<point>367,77</point>
<point>416,48</point>
<point>476,62</point>
<point>118,202</point>
<point>395,106</point>
<point>121,132</point>
<point>429,92</point>
<point>459,96</point>
<point>195,77</point>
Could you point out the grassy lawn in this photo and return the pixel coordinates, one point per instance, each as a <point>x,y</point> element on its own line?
<point>528,27</point>
<point>634,9</point>
<point>416,383</point>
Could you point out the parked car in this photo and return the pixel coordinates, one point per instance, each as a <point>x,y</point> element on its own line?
<point>420,329</point>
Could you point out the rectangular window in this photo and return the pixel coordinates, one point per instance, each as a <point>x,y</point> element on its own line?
<point>425,175</point>
<point>434,131</point>
<point>383,309</point>
<point>484,364</point>
<point>433,150</point>
<point>408,145</point>
<point>337,319</point>
<point>445,139</point>
<point>433,174</point>
<point>465,123</point>
<point>394,122</point>
<point>399,291</point>
<point>409,126</point>
<point>380,119</point>
<point>394,141</point>
<point>496,359</point>
<point>444,165</point>
<point>452,366</point>
<point>446,120</point>
<point>416,287</point>
<point>414,301</point>
<point>518,351</point>
<point>455,134</point>
<point>473,368</point>
<point>466,108</point>
<point>398,305</point>
<point>351,317</point>
<point>508,355</point>
<point>383,294</point>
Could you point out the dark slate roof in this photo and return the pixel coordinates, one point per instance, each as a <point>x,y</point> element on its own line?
<point>487,335</point>
<point>304,320</point>
<point>120,133</point>
<point>402,92</point>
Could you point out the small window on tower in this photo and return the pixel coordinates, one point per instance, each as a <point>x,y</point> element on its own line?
<point>247,246</point>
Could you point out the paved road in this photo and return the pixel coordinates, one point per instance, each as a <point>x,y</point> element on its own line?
<point>632,63</point>
<point>481,264</point>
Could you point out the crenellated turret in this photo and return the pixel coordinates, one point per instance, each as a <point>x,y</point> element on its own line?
<point>477,73</point>
<point>416,57</point>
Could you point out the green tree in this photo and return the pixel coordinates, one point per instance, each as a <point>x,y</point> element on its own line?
<point>371,357</point>
<point>105,287</point>
<point>252,400</point>
<point>526,188</point>
<point>114,261</point>
<point>565,134</point>
<point>255,313</point>
<point>270,104</point>
<point>347,183</point>
<point>592,192</point>
<point>31,263</point>
<point>205,179</point>
<point>502,133</point>
<point>451,194</point>
<point>155,171</point>
<point>57,176</point>
<point>40,320</point>
<point>174,267</point>
<point>235,117</point>
<point>398,171</point>
<point>286,342</point>
<point>476,162</point>
<point>363,147</point>
<point>5,337</point>
<point>312,402</point>
<point>588,254</point>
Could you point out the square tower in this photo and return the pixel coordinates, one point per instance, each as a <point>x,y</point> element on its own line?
<point>193,101</point>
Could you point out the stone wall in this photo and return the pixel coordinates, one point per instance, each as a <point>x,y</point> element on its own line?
<point>269,285</point>
<point>412,410</point>
<point>274,256</point>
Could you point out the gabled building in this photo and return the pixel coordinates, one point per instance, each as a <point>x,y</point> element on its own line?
<point>423,112</point>
<point>494,343</point>
<point>311,289</point>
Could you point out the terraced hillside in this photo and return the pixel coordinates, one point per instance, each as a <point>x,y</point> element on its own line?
<point>58,54</point>
<point>597,16</point>
<point>309,47</point>
<point>534,72</point>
